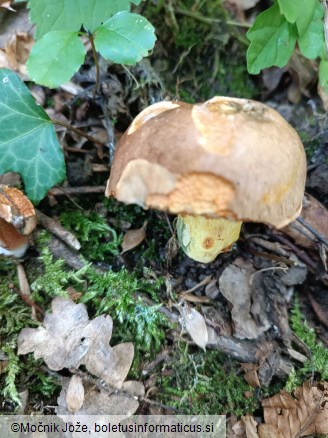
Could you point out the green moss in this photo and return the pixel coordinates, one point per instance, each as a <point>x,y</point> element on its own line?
<point>206,52</point>
<point>19,373</point>
<point>54,278</point>
<point>206,383</point>
<point>117,293</point>
<point>319,360</point>
<point>310,144</point>
<point>99,241</point>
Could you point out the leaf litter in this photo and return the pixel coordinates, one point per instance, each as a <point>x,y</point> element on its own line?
<point>68,339</point>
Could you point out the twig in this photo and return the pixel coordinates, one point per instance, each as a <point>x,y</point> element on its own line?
<point>208,20</point>
<point>312,230</point>
<point>24,288</point>
<point>58,191</point>
<point>77,131</point>
<point>58,230</point>
<point>204,282</point>
<point>299,252</point>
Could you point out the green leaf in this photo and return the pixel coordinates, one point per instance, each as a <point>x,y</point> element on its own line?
<point>293,10</point>
<point>306,13</point>
<point>55,58</point>
<point>28,141</point>
<point>311,41</point>
<point>323,74</point>
<point>125,38</point>
<point>70,15</point>
<point>272,41</point>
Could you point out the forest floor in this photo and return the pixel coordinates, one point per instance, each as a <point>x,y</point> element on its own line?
<point>264,302</point>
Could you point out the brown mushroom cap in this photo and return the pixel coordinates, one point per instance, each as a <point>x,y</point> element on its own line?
<point>17,209</point>
<point>227,157</point>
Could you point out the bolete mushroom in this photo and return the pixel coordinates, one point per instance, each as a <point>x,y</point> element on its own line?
<point>17,221</point>
<point>215,164</point>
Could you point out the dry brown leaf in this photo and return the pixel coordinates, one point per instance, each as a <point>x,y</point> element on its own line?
<point>133,238</point>
<point>314,214</point>
<point>235,286</point>
<point>269,431</point>
<point>251,376</point>
<point>97,402</point>
<point>250,426</point>
<point>75,394</point>
<point>195,324</point>
<point>16,52</point>
<point>68,339</point>
<point>304,73</point>
<point>304,414</point>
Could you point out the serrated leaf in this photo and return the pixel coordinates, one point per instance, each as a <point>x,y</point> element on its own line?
<point>55,58</point>
<point>310,42</point>
<point>71,15</point>
<point>125,38</point>
<point>323,74</point>
<point>272,41</point>
<point>28,141</point>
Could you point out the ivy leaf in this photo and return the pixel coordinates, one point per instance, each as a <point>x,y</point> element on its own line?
<point>55,57</point>
<point>125,38</point>
<point>28,141</point>
<point>323,74</point>
<point>272,41</point>
<point>70,15</point>
<point>311,41</point>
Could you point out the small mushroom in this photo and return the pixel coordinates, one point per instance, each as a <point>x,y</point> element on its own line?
<point>214,164</point>
<point>17,221</point>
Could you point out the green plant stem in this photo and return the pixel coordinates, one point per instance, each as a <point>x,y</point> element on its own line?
<point>77,131</point>
<point>95,57</point>
<point>208,20</point>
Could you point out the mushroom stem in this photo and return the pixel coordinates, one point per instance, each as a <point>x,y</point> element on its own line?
<point>202,239</point>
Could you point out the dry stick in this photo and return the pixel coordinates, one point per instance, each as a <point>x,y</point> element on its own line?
<point>58,230</point>
<point>109,390</point>
<point>299,252</point>
<point>62,191</point>
<point>312,230</point>
<point>77,131</point>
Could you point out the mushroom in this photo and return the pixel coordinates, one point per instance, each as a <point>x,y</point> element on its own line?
<point>17,221</point>
<point>214,164</point>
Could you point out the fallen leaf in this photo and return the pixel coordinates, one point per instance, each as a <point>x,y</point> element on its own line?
<point>315,215</point>
<point>97,402</point>
<point>235,286</point>
<point>304,414</point>
<point>269,431</point>
<point>195,324</point>
<point>133,238</point>
<point>75,394</point>
<point>251,376</point>
<point>250,426</point>
<point>68,339</point>
<point>16,52</point>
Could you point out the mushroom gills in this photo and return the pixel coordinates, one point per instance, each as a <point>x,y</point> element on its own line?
<point>203,239</point>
